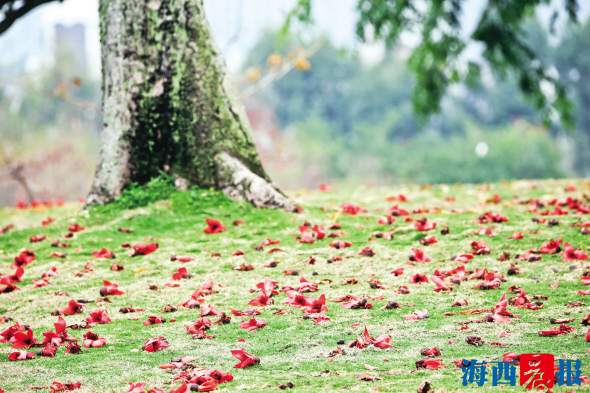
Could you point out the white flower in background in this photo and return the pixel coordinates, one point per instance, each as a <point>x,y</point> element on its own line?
<point>482,149</point>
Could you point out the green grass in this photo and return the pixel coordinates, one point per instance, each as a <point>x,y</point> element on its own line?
<point>291,348</point>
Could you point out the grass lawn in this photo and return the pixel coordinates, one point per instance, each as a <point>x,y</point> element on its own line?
<point>291,347</point>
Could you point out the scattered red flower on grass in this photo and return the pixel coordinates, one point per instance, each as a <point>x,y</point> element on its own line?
<point>551,247</point>
<point>46,221</point>
<point>441,286</point>
<point>418,278</point>
<point>489,217</point>
<point>430,352</point>
<point>99,316</point>
<point>213,226</point>
<point>180,274</point>
<point>428,240</point>
<point>386,220</point>
<point>75,228</point>
<point>572,254</point>
<point>72,308</point>
<point>24,258</point>
<point>181,258</point>
<point>561,329</point>
<point>20,355</point>
<point>429,364</point>
<point>144,249</point>
<point>198,328</point>
<point>37,238</point>
<point>367,252</point>
<point>398,272</point>
<point>365,340</point>
<point>155,344</point>
<point>351,209</point>
<point>418,255</point>
<point>23,339</point>
<point>57,386</point>
<point>103,253</point>
<point>245,359</point>
<point>480,248</point>
<point>91,340</point>
<point>423,225</point>
<point>253,324</point>
<point>110,289</point>
<point>398,211</point>
<point>153,320</point>
<point>340,244</point>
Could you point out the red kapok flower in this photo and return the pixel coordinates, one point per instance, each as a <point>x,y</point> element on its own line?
<point>253,324</point>
<point>155,344</point>
<point>91,340</point>
<point>103,253</point>
<point>245,359</point>
<point>144,249</point>
<point>20,355</point>
<point>99,316</point>
<point>213,226</point>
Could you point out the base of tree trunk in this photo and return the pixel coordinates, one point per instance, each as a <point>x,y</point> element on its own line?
<point>240,183</point>
<point>235,179</point>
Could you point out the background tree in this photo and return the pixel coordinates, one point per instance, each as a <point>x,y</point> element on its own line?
<point>439,59</point>
<point>165,108</point>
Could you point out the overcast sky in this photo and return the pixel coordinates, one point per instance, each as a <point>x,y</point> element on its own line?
<point>33,37</point>
<point>247,18</point>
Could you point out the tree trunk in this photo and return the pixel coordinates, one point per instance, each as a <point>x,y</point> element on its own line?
<point>165,108</point>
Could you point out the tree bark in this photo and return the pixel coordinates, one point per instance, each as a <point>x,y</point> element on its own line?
<point>165,107</point>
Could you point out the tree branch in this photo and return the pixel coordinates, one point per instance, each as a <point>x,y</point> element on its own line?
<point>11,10</point>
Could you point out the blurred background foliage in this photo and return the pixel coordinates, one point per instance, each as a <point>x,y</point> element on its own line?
<point>321,114</point>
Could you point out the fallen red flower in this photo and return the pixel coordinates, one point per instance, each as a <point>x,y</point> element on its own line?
<point>24,258</point>
<point>37,238</point>
<point>430,352</point>
<point>57,386</point>
<point>572,254</point>
<point>110,289</point>
<point>551,247</point>
<point>562,329</point>
<point>144,249</point>
<point>155,344</point>
<point>20,355</point>
<point>340,244</point>
<point>99,316</point>
<point>213,226</point>
<point>75,228</point>
<point>489,217</point>
<point>423,225</point>
<point>367,252</point>
<point>103,253</point>
<point>253,324</point>
<point>23,339</point>
<point>365,340</point>
<point>92,340</point>
<point>418,278</point>
<point>429,364</point>
<point>153,320</point>
<point>480,248</point>
<point>72,308</point>
<point>418,255</point>
<point>245,359</point>
<point>349,208</point>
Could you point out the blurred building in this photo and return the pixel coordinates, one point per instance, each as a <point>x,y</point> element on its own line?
<point>71,42</point>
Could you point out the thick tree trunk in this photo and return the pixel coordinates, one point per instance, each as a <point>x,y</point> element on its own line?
<point>165,108</point>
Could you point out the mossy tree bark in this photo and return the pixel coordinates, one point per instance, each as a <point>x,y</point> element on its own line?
<point>165,108</point>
